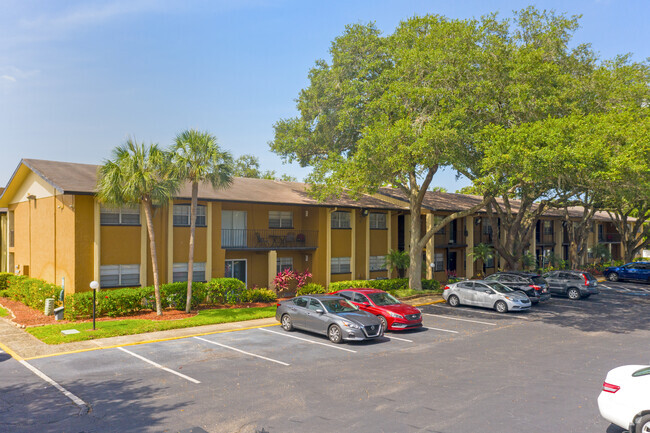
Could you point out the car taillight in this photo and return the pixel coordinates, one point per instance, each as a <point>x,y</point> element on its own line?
<point>608,387</point>
<point>535,287</point>
<point>446,288</point>
<point>278,304</point>
<point>586,280</point>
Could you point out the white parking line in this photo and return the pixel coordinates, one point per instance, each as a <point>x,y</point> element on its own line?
<point>457,318</point>
<point>505,316</point>
<point>442,330</point>
<point>308,341</point>
<point>397,338</point>
<point>243,351</point>
<point>155,364</point>
<point>79,402</point>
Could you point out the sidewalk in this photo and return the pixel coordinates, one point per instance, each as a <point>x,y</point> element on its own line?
<point>22,345</point>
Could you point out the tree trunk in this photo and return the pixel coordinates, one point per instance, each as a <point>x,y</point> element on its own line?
<point>415,250</point>
<point>154,258</point>
<point>190,260</point>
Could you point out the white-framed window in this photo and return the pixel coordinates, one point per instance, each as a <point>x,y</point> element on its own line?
<point>439,261</point>
<point>126,216</point>
<point>341,220</point>
<point>340,265</point>
<point>280,219</point>
<point>284,263</point>
<point>377,220</point>
<point>179,272</point>
<point>377,263</point>
<point>182,215</point>
<point>119,275</point>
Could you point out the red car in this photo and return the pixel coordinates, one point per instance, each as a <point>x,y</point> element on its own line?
<point>394,315</point>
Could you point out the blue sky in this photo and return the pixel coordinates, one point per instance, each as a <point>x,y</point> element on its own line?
<point>78,77</point>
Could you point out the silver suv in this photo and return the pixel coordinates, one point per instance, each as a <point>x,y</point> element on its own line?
<point>574,284</point>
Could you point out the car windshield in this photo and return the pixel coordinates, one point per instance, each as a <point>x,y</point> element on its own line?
<point>381,298</point>
<point>338,305</point>
<point>500,287</point>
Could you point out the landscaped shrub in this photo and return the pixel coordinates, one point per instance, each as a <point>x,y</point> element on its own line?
<point>31,291</point>
<point>3,279</point>
<point>110,302</point>
<point>390,286</point>
<point>258,295</point>
<point>174,295</point>
<point>311,289</point>
<point>224,291</point>
<point>430,285</point>
<point>4,293</point>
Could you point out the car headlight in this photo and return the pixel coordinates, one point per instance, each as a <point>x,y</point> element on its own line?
<point>395,315</point>
<point>511,298</point>
<point>351,325</point>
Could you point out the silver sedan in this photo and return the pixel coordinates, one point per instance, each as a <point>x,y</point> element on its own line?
<point>489,294</point>
<point>330,315</point>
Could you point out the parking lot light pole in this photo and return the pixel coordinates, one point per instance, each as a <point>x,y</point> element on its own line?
<point>94,285</point>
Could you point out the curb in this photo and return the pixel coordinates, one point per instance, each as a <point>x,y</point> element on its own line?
<point>439,301</point>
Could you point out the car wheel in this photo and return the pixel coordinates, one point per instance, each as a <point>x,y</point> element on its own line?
<point>453,301</point>
<point>287,324</point>
<point>501,307</point>
<point>384,323</point>
<point>613,276</point>
<point>334,334</point>
<point>643,424</point>
<point>573,294</point>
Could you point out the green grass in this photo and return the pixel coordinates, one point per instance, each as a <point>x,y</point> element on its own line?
<point>3,312</point>
<point>51,334</point>
<point>410,292</point>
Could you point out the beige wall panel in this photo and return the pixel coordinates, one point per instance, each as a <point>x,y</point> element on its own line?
<point>378,242</point>
<point>120,245</point>
<point>42,230</point>
<point>341,240</point>
<point>21,233</point>
<point>340,277</point>
<point>218,253</point>
<point>182,244</point>
<point>84,208</point>
<point>32,185</point>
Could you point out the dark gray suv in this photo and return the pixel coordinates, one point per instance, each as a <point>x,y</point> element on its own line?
<point>574,284</point>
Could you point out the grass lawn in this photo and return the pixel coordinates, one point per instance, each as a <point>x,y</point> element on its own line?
<point>410,292</point>
<point>51,334</point>
<point>3,312</point>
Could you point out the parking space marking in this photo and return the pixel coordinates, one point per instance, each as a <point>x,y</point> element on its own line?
<point>509,316</point>
<point>76,400</point>
<point>458,318</point>
<point>442,330</point>
<point>397,338</point>
<point>243,351</point>
<point>308,341</point>
<point>155,364</point>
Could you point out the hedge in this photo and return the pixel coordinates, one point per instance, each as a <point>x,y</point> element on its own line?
<point>311,289</point>
<point>30,291</point>
<point>385,285</point>
<point>3,279</point>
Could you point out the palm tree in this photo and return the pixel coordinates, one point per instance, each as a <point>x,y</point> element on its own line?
<point>196,157</point>
<point>399,260</point>
<point>138,174</point>
<point>482,252</point>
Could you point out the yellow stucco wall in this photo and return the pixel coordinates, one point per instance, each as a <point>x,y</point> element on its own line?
<point>82,219</point>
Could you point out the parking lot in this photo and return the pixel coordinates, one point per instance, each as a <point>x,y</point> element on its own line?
<point>468,369</point>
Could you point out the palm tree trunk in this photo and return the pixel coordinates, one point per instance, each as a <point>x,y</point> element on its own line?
<point>190,260</point>
<point>154,259</point>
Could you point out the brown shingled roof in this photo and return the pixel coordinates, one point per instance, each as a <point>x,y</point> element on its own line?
<point>73,178</point>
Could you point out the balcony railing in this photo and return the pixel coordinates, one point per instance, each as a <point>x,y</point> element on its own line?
<point>270,239</point>
<point>609,237</point>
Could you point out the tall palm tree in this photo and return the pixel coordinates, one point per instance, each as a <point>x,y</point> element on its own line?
<point>196,157</point>
<point>139,174</point>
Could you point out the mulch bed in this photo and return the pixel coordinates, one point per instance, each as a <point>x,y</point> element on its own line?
<point>27,316</point>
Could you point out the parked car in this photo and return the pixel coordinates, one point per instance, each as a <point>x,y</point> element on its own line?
<point>489,294</point>
<point>625,398</point>
<point>574,284</point>
<point>637,271</point>
<point>393,315</point>
<point>533,285</point>
<point>330,315</point>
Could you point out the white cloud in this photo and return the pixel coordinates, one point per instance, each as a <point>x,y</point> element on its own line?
<point>8,78</point>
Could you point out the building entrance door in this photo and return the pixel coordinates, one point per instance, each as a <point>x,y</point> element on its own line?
<point>451,261</point>
<point>236,269</point>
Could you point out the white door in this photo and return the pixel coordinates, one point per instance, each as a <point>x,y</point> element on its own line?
<point>233,228</point>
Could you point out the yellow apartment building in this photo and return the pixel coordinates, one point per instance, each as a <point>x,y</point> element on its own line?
<point>53,228</point>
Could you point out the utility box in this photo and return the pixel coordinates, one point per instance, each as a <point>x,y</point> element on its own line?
<point>49,306</point>
<point>58,313</point>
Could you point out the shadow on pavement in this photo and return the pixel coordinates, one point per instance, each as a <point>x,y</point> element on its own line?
<point>116,406</point>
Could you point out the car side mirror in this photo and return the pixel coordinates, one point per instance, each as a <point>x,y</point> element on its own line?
<point>319,311</point>
<point>488,291</point>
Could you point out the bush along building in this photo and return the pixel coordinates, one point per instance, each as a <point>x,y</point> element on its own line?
<point>54,229</point>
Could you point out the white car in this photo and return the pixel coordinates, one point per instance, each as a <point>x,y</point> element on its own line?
<point>625,398</point>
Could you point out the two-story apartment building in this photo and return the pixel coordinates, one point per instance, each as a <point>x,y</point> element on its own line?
<point>54,228</point>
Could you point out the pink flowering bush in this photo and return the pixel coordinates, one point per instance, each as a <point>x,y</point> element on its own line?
<point>290,280</point>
